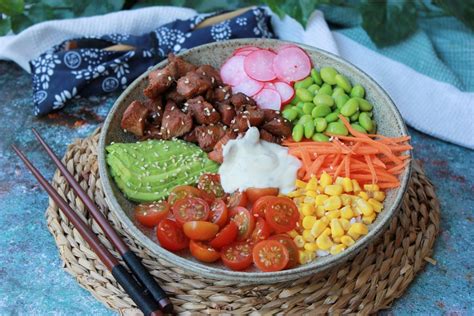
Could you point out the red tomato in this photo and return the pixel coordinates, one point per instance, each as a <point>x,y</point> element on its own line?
<point>253,194</point>
<point>237,256</point>
<point>203,252</point>
<point>200,230</point>
<point>290,246</point>
<point>171,236</point>
<point>226,236</point>
<point>281,214</point>
<point>219,213</point>
<point>190,209</point>
<point>237,199</point>
<point>183,191</point>
<point>270,256</point>
<point>259,206</point>
<point>211,184</point>
<point>150,214</point>
<point>244,220</point>
<point>261,232</point>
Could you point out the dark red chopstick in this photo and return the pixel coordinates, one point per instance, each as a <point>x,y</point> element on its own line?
<point>132,261</point>
<point>137,293</point>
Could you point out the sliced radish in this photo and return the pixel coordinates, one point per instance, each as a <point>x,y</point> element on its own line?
<point>232,72</point>
<point>269,85</point>
<point>291,64</point>
<point>268,99</point>
<point>259,65</point>
<point>285,90</point>
<point>245,50</point>
<point>248,86</point>
<point>243,53</point>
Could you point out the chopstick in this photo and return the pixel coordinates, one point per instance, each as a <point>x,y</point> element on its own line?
<point>132,261</point>
<point>137,293</point>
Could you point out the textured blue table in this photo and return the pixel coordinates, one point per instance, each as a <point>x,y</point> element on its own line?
<point>33,282</point>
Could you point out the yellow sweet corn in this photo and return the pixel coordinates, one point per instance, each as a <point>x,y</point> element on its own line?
<point>337,240</point>
<point>347,240</point>
<point>347,185</point>
<point>379,195</point>
<point>359,228</point>
<point>300,184</point>
<point>376,205</point>
<point>307,209</point>
<point>337,249</point>
<point>299,241</point>
<point>332,203</point>
<point>338,180</point>
<point>311,246</point>
<point>295,193</point>
<point>345,224</point>
<point>363,195</point>
<point>312,184</point>
<point>371,187</point>
<point>325,180</point>
<point>310,254</point>
<point>311,193</point>
<point>324,242</point>
<point>318,227</point>
<point>292,233</point>
<point>336,228</point>
<point>333,189</point>
<point>308,222</point>
<point>326,231</point>
<point>333,214</point>
<point>307,236</point>
<point>346,212</point>
<point>364,207</point>
<point>320,198</point>
<point>369,219</point>
<point>308,199</point>
<point>355,186</point>
<point>346,199</point>
<point>303,257</point>
<point>320,211</point>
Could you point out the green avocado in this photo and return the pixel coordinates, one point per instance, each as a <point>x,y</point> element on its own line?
<point>147,171</point>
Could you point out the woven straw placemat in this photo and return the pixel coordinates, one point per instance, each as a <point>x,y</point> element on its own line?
<point>366,284</point>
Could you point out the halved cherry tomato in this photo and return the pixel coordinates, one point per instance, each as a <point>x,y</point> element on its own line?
<point>244,220</point>
<point>261,232</point>
<point>203,252</point>
<point>200,230</point>
<point>281,214</point>
<point>183,191</point>
<point>258,208</point>
<point>211,184</point>
<point>237,256</point>
<point>150,214</point>
<point>190,209</point>
<point>270,255</point>
<point>219,213</point>
<point>237,199</point>
<point>226,236</point>
<point>253,194</point>
<point>171,236</point>
<point>290,246</point>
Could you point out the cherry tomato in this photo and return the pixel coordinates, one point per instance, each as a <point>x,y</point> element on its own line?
<point>281,214</point>
<point>237,199</point>
<point>203,252</point>
<point>261,232</point>
<point>290,246</point>
<point>171,236</point>
<point>258,208</point>
<point>237,256</point>
<point>150,214</point>
<point>226,236</point>
<point>200,230</point>
<point>190,209</point>
<point>219,213</point>
<point>270,255</point>
<point>244,220</point>
<point>211,184</point>
<point>183,191</point>
<point>253,194</point>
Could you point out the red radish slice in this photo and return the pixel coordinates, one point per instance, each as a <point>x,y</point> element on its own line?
<point>285,90</point>
<point>268,99</point>
<point>232,72</point>
<point>291,64</point>
<point>269,85</point>
<point>248,86</point>
<point>243,53</point>
<point>245,49</point>
<point>259,65</point>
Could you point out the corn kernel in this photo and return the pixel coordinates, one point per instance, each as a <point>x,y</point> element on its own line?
<point>376,205</point>
<point>311,246</point>
<point>333,214</point>
<point>324,242</point>
<point>347,185</point>
<point>311,255</point>
<point>345,224</point>
<point>369,219</point>
<point>308,222</point>
<point>325,180</point>
<point>311,193</point>
<point>339,180</point>
<point>332,203</point>
<point>327,231</point>
<point>325,220</point>
<point>363,195</point>
<point>300,184</point>
<point>307,209</point>
<point>318,228</point>
<point>319,200</point>
<point>333,189</point>
<point>296,193</point>
<point>347,240</point>
<point>307,236</point>
<point>312,184</point>
<point>352,234</point>
<point>364,207</point>
<point>308,199</point>
<point>355,186</point>
<point>346,212</point>
<point>337,249</point>
<point>379,196</point>
<point>359,228</point>
<point>320,211</point>
<point>320,189</point>
<point>336,228</point>
<point>371,187</point>
<point>303,257</point>
<point>299,241</point>
<point>292,233</point>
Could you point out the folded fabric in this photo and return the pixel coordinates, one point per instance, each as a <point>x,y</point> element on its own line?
<point>61,73</point>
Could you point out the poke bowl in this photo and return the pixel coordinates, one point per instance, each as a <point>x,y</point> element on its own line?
<point>383,113</point>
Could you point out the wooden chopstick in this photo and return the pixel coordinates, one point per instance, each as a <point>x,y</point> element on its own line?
<point>137,293</point>
<point>132,261</point>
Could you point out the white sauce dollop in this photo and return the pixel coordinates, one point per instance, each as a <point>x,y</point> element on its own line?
<point>253,163</point>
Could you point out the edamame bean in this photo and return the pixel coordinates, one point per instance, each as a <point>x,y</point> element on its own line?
<point>300,104</point>
<point>290,114</point>
<point>337,128</point>
<point>342,82</point>
<point>350,107</point>
<point>308,129</point>
<point>355,117</point>
<point>359,128</point>
<point>297,132</point>
<point>318,137</point>
<point>341,100</point>
<point>299,110</point>
<point>314,88</point>
<point>305,83</point>
<point>316,77</point>
<point>325,89</point>
<point>323,99</point>
<point>295,100</point>
<point>357,91</point>
<point>308,107</point>
<point>288,106</point>
<point>374,127</point>
<point>332,117</point>
<point>320,124</point>
<point>365,121</point>
<point>328,74</point>
<point>364,105</point>
<point>304,119</point>
<point>304,95</point>
<point>337,91</point>
<point>321,111</point>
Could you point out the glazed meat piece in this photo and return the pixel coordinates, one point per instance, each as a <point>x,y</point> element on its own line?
<point>211,73</point>
<point>175,123</point>
<point>264,135</point>
<point>193,84</point>
<point>239,100</point>
<point>134,118</point>
<point>202,111</point>
<point>160,80</point>
<point>278,127</point>
<point>226,111</point>
<point>174,96</point>
<point>153,132</point>
<point>216,154</point>
<point>208,136</point>
<point>254,115</point>
<point>182,66</point>
<point>222,93</point>
<point>155,106</point>
<point>240,123</point>
<point>271,114</point>
<point>191,136</point>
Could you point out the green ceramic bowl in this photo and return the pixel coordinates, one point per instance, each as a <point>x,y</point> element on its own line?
<point>389,123</point>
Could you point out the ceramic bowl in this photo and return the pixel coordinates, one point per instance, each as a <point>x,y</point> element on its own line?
<point>388,120</point>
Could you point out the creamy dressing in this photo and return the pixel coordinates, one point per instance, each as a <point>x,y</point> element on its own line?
<point>253,163</point>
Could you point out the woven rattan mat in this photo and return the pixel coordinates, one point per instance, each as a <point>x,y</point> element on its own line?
<point>366,284</point>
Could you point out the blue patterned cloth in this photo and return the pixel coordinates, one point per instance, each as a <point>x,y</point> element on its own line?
<point>60,75</point>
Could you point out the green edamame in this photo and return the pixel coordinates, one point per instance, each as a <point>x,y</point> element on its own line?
<point>288,106</point>
<point>297,132</point>
<point>318,137</point>
<point>341,100</point>
<point>323,99</point>
<point>314,88</point>
<point>358,128</point>
<point>325,89</point>
<point>364,105</point>
<point>300,104</point>
<point>320,124</point>
<point>337,91</point>
<point>308,107</point>
<point>357,91</point>
<point>374,127</point>
<point>290,114</point>
<point>328,74</point>
<point>332,117</point>
<point>299,110</point>
<point>305,83</point>
<point>308,129</point>
<point>295,100</point>
<point>350,107</point>
<point>321,111</point>
<point>342,82</point>
<point>304,119</point>
<point>304,95</point>
<point>365,121</point>
<point>316,77</point>
<point>355,116</point>
<point>337,128</point>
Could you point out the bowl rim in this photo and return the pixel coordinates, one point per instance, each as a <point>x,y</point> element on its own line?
<point>242,276</point>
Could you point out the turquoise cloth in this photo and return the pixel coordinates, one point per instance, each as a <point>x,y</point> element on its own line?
<point>442,48</point>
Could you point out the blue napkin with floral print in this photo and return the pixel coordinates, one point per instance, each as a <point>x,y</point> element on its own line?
<point>61,74</point>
